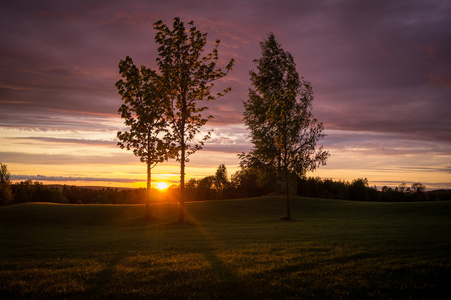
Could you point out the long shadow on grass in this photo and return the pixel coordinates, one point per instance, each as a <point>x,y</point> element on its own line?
<point>225,282</point>
<point>229,283</point>
<point>98,284</point>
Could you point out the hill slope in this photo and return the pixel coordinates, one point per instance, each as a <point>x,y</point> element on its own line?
<point>230,249</point>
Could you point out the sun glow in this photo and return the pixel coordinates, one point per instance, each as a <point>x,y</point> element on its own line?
<point>162,185</point>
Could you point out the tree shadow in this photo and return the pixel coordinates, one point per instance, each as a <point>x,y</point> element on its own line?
<point>226,281</point>
<point>99,283</point>
<point>229,284</point>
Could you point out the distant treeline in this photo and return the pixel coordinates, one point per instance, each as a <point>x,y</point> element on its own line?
<point>246,184</point>
<point>359,190</point>
<point>243,184</point>
<point>29,191</point>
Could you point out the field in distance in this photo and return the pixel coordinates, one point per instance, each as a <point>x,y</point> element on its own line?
<point>229,249</point>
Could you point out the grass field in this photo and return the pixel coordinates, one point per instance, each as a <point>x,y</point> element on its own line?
<point>231,249</point>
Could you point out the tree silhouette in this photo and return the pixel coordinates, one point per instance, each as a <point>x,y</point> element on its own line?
<point>143,112</point>
<point>278,113</point>
<point>221,181</point>
<point>6,196</point>
<point>187,78</point>
<point>418,188</point>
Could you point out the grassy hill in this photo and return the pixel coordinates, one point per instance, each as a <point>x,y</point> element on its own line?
<point>229,249</point>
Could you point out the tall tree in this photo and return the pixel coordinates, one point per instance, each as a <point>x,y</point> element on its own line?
<point>278,113</point>
<point>143,112</point>
<point>187,78</point>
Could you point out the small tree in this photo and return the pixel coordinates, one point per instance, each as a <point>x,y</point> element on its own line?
<point>418,188</point>
<point>6,196</point>
<point>221,181</point>
<point>402,187</point>
<point>187,78</point>
<point>143,112</point>
<point>205,188</point>
<point>358,190</point>
<point>278,113</point>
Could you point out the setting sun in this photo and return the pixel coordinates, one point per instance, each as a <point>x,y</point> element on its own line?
<point>162,185</point>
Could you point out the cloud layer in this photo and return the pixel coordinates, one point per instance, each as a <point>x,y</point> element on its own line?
<point>381,70</point>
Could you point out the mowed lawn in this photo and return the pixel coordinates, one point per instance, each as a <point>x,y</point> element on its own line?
<point>231,249</point>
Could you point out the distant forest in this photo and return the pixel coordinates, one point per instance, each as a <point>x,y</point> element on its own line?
<point>243,184</point>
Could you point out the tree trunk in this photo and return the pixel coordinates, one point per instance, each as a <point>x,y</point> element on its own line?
<point>287,187</point>
<point>149,177</point>
<point>182,187</point>
<point>279,174</point>
<point>182,164</point>
<point>285,165</point>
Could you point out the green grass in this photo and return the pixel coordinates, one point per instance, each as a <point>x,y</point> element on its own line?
<point>229,249</point>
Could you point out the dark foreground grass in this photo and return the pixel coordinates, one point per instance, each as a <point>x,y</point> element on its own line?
<point>237,249</point>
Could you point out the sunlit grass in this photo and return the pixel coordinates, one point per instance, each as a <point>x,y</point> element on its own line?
<point>228,249</point>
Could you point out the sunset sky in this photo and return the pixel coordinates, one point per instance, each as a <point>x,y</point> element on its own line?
<point>380,70</point>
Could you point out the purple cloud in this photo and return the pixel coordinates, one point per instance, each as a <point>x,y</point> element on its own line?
<point>380,67</point>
